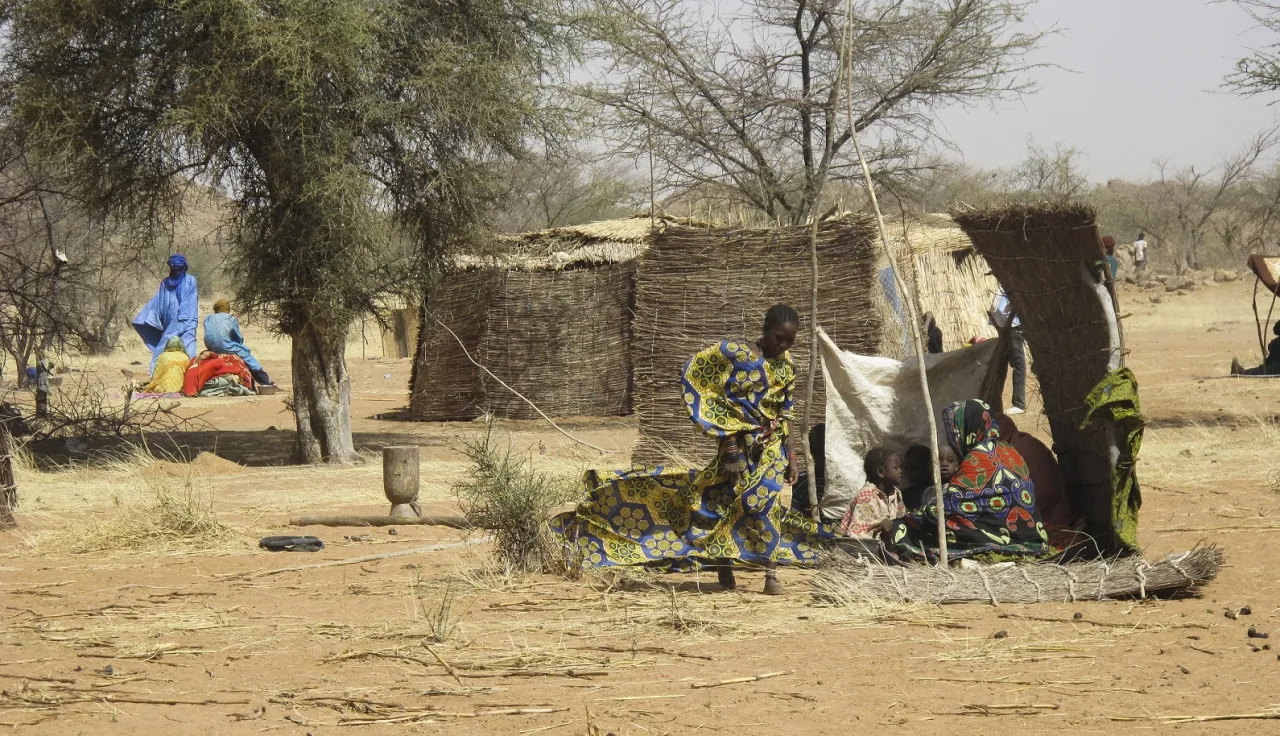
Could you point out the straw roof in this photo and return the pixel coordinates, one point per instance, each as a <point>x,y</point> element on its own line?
<point>697,286</point>
<point>941,267</point>
<point>1050,258</point>
<point>574,246</point>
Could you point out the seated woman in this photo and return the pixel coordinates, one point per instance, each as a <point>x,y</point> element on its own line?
<point>1269,367</point>
<point>990,503</point>
<point>171,367</point>
<point>222,335</point>
<point>1046,477</point>
<point>879,503</point>
<point>738,393</point>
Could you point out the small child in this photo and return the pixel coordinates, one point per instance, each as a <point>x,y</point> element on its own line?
<point>948,463</point>
<point>879,503</point>
<point>917,473</point>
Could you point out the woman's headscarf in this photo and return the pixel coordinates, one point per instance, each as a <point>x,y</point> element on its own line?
<point>177,270</point>
<point>175,345</point>
<point>968,424</point>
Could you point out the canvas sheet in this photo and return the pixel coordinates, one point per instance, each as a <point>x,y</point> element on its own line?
<point>875,401</point>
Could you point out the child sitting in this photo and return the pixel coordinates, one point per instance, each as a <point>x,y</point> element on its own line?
<point>917,474</point>
<point>879,503</point>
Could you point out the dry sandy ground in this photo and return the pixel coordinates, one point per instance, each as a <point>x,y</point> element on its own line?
<point>174,637</point>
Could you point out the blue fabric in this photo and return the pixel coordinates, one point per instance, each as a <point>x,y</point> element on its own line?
<point>222,334</point>
<point>890,288</point>
<point>174,310</point>
<point>1002,306</point>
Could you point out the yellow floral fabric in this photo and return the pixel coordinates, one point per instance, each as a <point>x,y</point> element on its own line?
<point>171,368</point>
<point>673,516</point>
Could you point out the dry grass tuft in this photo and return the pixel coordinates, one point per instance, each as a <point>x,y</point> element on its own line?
<point>162,517</point>
<point>506,495</point>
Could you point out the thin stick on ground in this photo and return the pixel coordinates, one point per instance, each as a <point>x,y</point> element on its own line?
<point>364,558</point>
<point>522,397</point>
<point>739,680</point>
<point>908,299</point>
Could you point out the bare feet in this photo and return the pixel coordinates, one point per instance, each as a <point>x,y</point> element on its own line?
<point>771,584</point>
<point>724,572</point>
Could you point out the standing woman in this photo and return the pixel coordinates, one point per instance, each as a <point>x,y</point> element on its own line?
<point>989,503</point>
<point>173,311</point>
<point>738,393</point>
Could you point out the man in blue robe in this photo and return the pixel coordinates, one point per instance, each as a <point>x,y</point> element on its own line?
<point>172,311</point>
<point>222,334</point>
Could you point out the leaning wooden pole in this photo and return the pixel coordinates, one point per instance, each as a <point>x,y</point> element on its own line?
<point>814,512</point>
<point>907,298</point>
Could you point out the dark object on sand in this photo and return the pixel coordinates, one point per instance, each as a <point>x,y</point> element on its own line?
<point>291,544</point>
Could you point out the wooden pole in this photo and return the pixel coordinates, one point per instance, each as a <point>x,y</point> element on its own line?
<point>453,522</point>
<point>400,479</point>
<point>8,485</point>
<point>807,421</point>
<point>908,299</point>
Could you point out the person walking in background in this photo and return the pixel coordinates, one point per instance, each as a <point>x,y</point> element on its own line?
<point>173,311</point>
<point>1016,354</point>
<point>222,334</point>
<point>1140,256</point>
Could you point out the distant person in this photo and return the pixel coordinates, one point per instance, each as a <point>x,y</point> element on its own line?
<point>1109,245</point>
<point>934,333</point>
<point>222,334</point>
<point>1140,256</point>
<point>173,311</point>
<point>879,503</point>
<point>1016,355</point>
<point>1270,365</point>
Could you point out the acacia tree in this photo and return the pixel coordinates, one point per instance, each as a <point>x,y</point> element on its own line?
<point>351,138</point>
<point>565,188</point>
<point>748,107</point>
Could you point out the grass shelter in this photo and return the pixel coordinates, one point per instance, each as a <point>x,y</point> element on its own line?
<point>950,278</point>
<point>696,286</point>
<point>1050,259</point>
<point>549,313</point>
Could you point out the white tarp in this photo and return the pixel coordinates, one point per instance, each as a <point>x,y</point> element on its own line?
<point>873,401</point>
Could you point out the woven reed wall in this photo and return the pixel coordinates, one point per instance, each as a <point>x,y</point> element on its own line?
<point>697,286</point>
<point>445,386</point>
<point>560,337</point>
<point>1040,254</point>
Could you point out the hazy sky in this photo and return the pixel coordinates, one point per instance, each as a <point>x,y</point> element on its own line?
<point>1145,83</point>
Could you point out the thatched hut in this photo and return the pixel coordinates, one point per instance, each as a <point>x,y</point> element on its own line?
<point>1050,260</point>
<point>549,314</point>
<point>697,285</point>
<point>950,278</point>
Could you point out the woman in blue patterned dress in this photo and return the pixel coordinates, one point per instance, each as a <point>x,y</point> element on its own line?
<point>739,393</point>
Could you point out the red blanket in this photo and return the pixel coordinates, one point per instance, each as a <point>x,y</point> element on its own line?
<point>208,366</point>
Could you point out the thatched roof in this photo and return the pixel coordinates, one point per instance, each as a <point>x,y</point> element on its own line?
<point>575,246</point>
<point>1050,260</point>
<point>942,268</point>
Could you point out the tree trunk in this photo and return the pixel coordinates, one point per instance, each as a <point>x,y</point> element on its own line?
<point>322,393</point>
